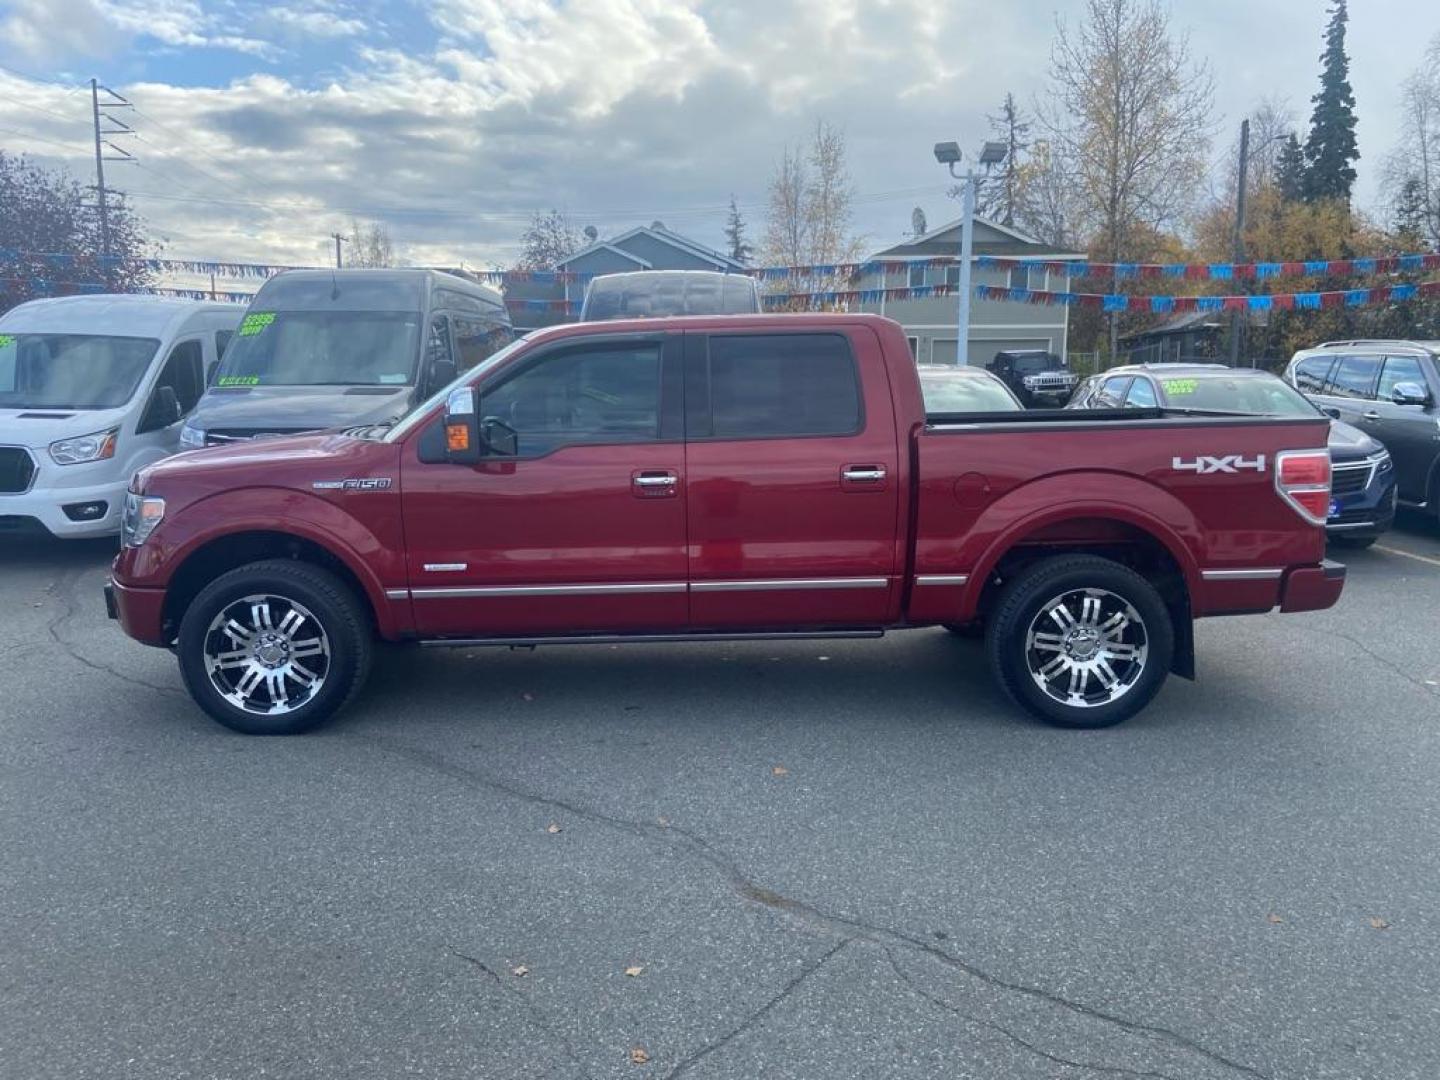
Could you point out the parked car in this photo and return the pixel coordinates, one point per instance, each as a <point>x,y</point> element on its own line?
<point>93,388</point>
<point>651,294</point>
<point>1037,377</point>
<point>1388,389</point>
<point>948,388</point>
<point>716,479</point>
<point>322,349</point>
<point>1362,503</point>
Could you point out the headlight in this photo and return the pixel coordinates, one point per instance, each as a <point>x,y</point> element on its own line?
<point>139,519</point>
<point>96,447</point>
<point>1030,381</point>
<point>192,437</point>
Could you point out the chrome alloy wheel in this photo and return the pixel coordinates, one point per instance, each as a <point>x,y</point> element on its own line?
<point>266,654</point>
<point>1086,648</point>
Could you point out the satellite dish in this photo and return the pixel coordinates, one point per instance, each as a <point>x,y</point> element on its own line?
<point>591,233</point>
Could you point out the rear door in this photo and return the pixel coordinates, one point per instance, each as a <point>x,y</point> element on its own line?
<point>1408,431</point>
<point>1351,389</point>
<point>792,462</point>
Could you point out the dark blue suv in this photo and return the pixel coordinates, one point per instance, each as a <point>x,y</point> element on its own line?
<point>1362,504</point>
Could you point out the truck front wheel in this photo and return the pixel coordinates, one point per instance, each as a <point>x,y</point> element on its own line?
<point>1080,641</point>
<point>274,647</point>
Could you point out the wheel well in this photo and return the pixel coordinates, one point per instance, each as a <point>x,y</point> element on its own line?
<point>206,563</point>
<point>1119,541</point>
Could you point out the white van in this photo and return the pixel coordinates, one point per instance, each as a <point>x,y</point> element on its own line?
<point>93,388</point>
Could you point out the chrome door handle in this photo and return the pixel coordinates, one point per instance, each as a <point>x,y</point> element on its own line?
<point>657,480</point>
<point>1371,415</point>
<point>865,474</point>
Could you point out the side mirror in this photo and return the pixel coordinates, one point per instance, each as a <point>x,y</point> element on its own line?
<point>462,427</point>
<point>1409,393</point>
<point>163,410</point>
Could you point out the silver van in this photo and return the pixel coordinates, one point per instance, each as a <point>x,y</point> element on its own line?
<point>93,388</point>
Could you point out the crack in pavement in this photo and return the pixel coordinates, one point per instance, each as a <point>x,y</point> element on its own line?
<point>938,1002</point>
<point>847,927</point>
<point>1383,661</point>
<point>537,1016</point>
<point>70,608</point>
<point>759,1014</point>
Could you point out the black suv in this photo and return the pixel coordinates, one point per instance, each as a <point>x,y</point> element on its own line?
<point>1362,491</point>
<point>1389,390</point>
<point>1037,377</point>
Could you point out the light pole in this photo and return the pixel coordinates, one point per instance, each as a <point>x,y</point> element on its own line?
<point>948,154</point>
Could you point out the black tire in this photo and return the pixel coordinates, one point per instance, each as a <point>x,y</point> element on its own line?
<point>343,631</point>
<point>1354,543</point>
<point>1137,651</point>
<point>971,631</point>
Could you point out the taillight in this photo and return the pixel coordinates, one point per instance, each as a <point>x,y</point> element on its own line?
<point>1302,477</point>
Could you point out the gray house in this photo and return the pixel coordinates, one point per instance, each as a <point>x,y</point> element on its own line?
<point>646,247</point>
<point>994,325</point>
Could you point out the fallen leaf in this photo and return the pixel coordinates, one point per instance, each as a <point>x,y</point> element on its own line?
<point>520,971</point>
<point>779,770</point>
<point>552,828</point>
<point>1379,923</point>
<point>1273,918</point>
<point>634,970</point>
<point>638,1055</point>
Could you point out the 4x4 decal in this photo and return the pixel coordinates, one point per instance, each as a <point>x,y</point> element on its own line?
<point>1230,463</point>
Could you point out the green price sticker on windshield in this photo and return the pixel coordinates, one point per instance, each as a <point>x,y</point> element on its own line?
<point>6,339</point>
<point>1180,387</point>
<point>254,323</point>
<point>238,380</point>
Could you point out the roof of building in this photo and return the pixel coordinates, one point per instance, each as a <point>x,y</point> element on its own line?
<point>658,232</point>
<point>1179,324</point>
<point>1015,242</point>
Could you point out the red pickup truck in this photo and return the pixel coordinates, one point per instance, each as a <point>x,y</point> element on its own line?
<point>721,478</point>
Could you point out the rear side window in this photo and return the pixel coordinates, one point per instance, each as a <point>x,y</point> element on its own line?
<point>1142,395</point>
<point>1354,377</point>
<point>764,386</point>
<point>1311,373</point>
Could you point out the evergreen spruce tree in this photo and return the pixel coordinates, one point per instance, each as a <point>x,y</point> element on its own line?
<point>740,250</point>
<point>1330,151</point>
<point>1290,170</point>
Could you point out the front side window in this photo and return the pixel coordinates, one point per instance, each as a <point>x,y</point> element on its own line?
<point>71,371</point>
<point>1397,370</point>
<point>774,385</point>
<point>1354,377</point>
<point>592,394</point>
<point>184,373</point>
<point>323,348</point>
<point>1112,393</point>
<point>1312,373</point>
<point>437,343</point>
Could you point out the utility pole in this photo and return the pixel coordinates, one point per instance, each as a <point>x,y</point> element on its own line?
<point>339,239</point>
<point>102,144</point>
<point>1237,318</point>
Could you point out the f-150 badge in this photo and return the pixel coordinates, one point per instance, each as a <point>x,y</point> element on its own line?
<point>365,483</point>
<point>1230,463</point>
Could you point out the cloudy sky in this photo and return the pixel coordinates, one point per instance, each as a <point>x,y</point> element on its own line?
<point>262,127</point>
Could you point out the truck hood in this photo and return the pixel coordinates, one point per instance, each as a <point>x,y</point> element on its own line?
<point>1348,443</point>
<point>310,463</point>
<point>38,428</point>
<point>298,408</point>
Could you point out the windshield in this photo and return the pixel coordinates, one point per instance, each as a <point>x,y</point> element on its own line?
<point>1246,394</point>
<point>323,348</point>
<point>71,371</point>
<point>965,393</point>
<point>1036,362</point>
<point>415,415</point>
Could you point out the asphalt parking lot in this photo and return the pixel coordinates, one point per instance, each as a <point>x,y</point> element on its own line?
<point>838,859</point>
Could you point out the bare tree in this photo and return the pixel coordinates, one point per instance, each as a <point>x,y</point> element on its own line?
<point>548,238</point>
<point>1047,203</point>
<point>917,222</point>
<point>1131,113</point>
<point>370,245</point>
<point>811,191</point>
<point>999,199</point>
<point>1411,172</point>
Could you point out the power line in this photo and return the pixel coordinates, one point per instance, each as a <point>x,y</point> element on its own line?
<point>42,109</point>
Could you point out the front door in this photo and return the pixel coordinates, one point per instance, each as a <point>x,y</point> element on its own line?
<point>1409,432</point>
<point>793,487</point>
<point>583,529</point>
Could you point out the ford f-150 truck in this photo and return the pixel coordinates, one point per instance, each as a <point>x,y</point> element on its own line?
<point>721,478</point>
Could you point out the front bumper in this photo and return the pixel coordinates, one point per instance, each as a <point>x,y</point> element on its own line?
<point>1312,588</point>
<point>1364,515</point>
<point>46,508</point>
<point>140,612</point>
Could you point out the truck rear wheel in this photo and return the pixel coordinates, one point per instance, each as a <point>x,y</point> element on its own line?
<point>274,647</point>
<point>1080,641</point>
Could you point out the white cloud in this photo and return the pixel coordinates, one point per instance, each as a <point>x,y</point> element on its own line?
<point>317,21</point>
